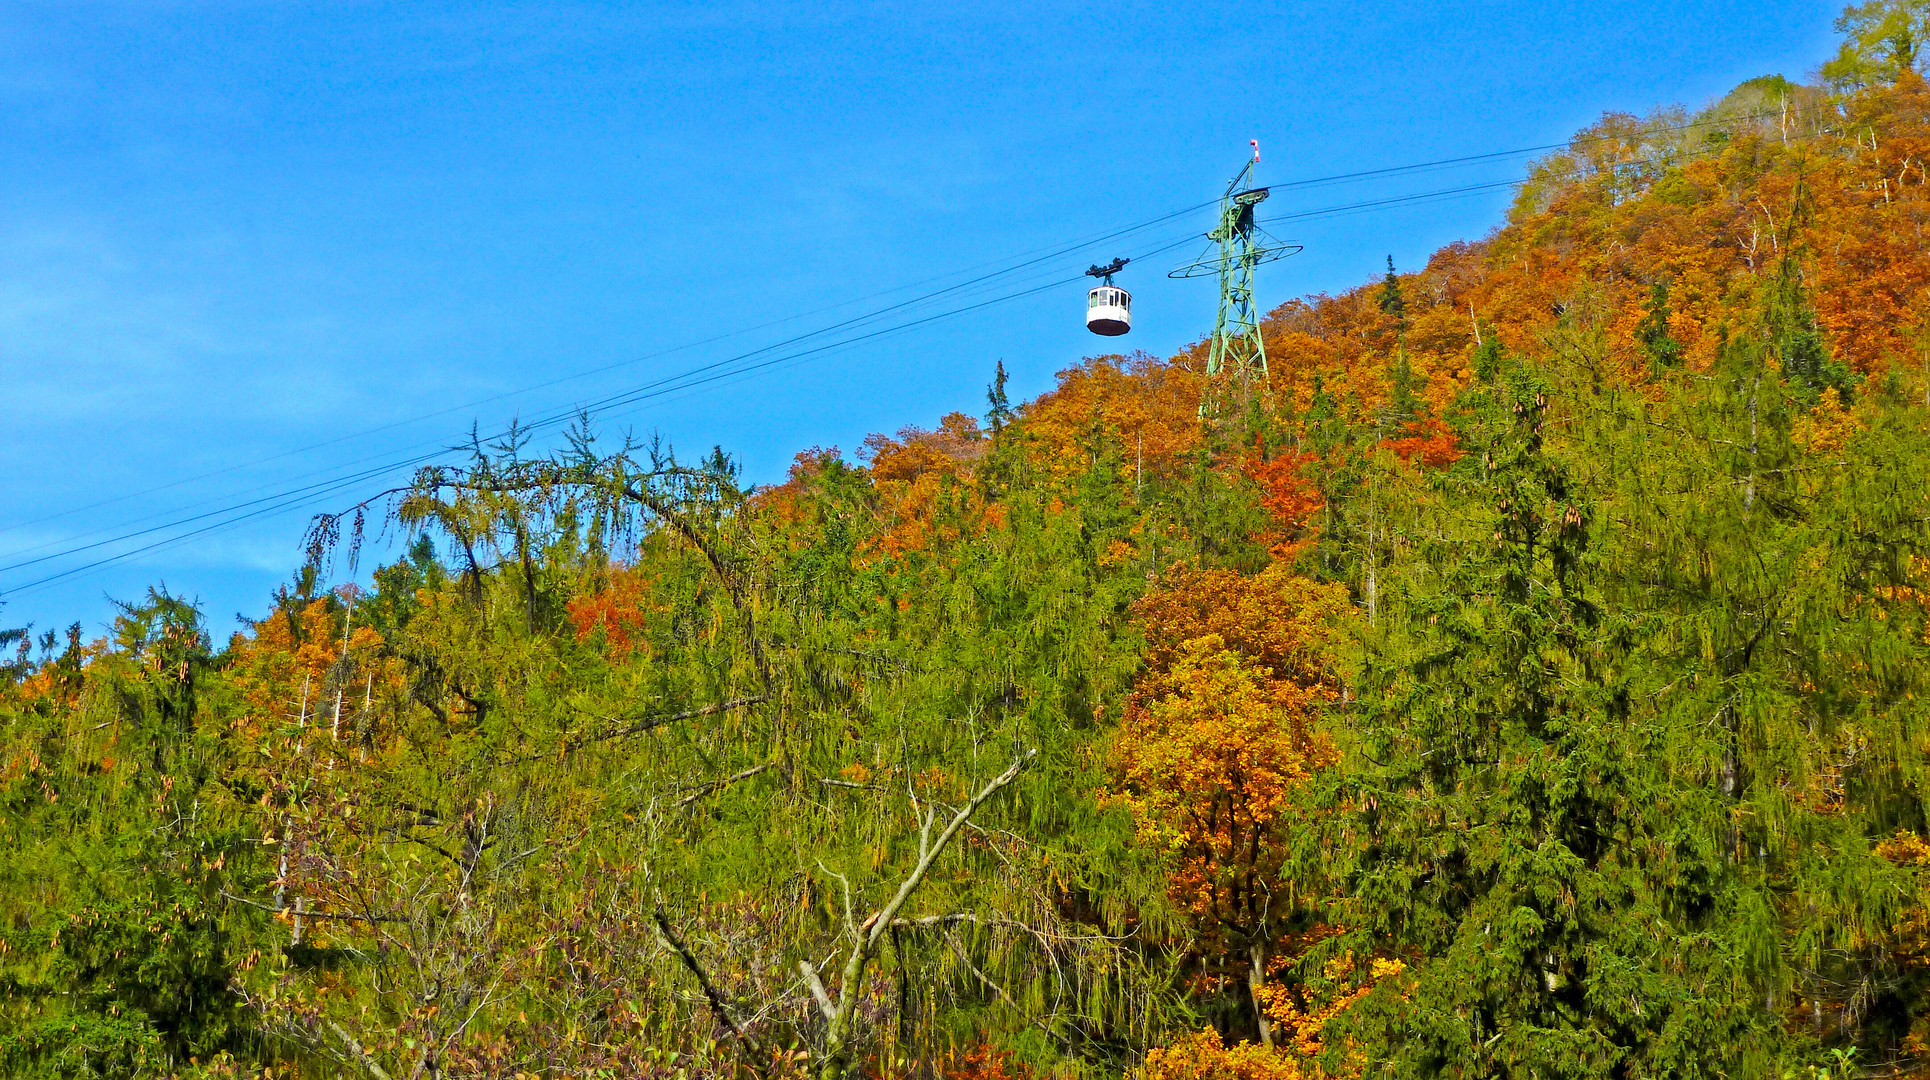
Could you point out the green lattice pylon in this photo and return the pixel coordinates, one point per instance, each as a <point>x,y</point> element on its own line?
<point>1240,245</point>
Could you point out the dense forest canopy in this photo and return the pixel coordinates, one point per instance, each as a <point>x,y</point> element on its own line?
<point>1528,680</point>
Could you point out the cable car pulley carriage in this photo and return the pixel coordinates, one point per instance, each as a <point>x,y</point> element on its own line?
<point>1109,308</point>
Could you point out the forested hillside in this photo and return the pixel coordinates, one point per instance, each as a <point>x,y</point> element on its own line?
<point>1528,679</point>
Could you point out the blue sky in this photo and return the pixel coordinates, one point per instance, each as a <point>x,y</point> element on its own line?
<point>230,232</point>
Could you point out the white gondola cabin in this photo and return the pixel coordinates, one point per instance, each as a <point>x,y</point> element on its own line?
<point>1109,311</point>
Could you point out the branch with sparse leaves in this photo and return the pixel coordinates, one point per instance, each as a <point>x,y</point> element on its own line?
<point>838,1011</point>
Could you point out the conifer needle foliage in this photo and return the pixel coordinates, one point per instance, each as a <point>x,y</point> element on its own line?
<point>1530,682</point>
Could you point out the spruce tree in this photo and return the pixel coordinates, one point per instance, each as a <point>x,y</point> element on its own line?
<point>1789,322</point>
<point>1653,331</point>
<point>1000,413</point>
<point>1391,301</point>
<point>1512,835</point>
<point>1404,405</point>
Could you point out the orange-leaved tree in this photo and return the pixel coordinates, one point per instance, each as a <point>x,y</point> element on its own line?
<point>619,610</point>
<point>1144,409</point>
<point>1219,736</point>
<point>1292,500</point>
<point>1207,1055</point>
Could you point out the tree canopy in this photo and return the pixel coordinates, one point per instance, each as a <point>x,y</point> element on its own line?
<point>1530,682</point>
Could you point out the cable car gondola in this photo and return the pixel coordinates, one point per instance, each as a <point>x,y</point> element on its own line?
<point>1109,308</point>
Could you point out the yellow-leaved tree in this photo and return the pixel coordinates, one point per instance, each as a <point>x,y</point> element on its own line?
<point>1219,736</point>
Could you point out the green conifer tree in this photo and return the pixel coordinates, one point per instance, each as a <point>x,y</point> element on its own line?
<point>1653,331</point>
<point>1512,833</point>
<point>1390,299</point>
<point>1789,322</point>
<point>1000,413</point>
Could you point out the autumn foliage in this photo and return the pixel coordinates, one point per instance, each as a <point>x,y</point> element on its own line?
<point>1527,682</point>
<point>1138,407</point>
<point>1206,1055</point>
<point>618,612</point>
<point>1220,735</point>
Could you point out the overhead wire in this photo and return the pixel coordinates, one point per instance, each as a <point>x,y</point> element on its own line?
<point>731,370</point>
<point>561,416</point>
<point>1028,258</point>
<point>309,494</point>
<point>730,378</point>
<point>565,414</point>
<point>1397,200</point>
<point>1337,178</point>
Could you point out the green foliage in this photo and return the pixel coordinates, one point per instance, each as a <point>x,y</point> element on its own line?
<point>1790,325</point>
<point>1488,359</point>
<point>1883,41</point>
<point>115,947</point>
<point>1403,404</point>
<point>1390,299</point>
<point>1619,770</point>
<point>399,587</point>
<point>1000,413</point>
<point>1653,331</point>
<point>1569,912</point>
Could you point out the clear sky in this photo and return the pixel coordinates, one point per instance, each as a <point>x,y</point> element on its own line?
<point>229,231</point>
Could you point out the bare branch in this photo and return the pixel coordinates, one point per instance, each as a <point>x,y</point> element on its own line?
<point>717,785</point>
<point>649,724</point>
<point>226,895</point>
<point>711,993</point>
<point>817,990</point>
<point>1045,938</point>
<point>355,1048</point>
<point>890,911</point>
<point>850,916</point>
<point>837,1040</point>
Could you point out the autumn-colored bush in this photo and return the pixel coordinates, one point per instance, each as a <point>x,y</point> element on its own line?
<point>1298,1037</point>
<point>916,451</point>
<point>1144,409</point>
<point>619,611</point>
<point>982,1062</point>
<point>921,497</point>
<point>1291,499</point>
<point>784,505</point>
<point>282,667</point>
<point>1278,620</point>
<point>1204,1055</point>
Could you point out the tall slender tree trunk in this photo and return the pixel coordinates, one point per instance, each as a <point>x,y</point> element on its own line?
<point>1256,984</point>
<point>1373,531</point>
<point>1749,492</point>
